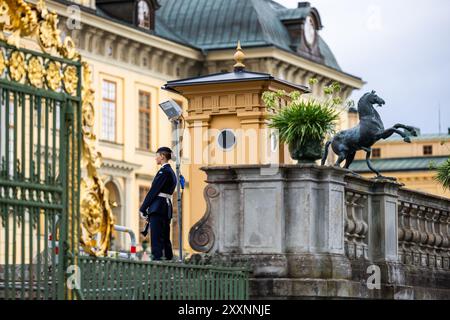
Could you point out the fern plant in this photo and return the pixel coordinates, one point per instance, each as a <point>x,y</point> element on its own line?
<point>301,120</point>
<point>443,174</point>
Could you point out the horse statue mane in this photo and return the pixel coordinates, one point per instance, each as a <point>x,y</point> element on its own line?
<point>363,136</point>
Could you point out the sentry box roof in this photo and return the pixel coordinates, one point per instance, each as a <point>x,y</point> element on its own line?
<point>230,77</point>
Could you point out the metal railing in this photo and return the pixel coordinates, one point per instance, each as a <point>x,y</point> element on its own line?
<point>116,279</point>
<point>133,244</point>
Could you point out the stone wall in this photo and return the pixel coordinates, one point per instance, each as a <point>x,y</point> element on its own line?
<point>320,232</point>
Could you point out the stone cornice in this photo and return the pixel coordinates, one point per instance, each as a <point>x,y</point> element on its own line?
<point>123,167</point>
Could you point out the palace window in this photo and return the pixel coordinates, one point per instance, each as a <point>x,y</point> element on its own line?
<point>109,104</point>
<point>427,150</point>
<point>226,139</point>
<point>376,153</point>
<point>144,120</point>
<point>143,14</point>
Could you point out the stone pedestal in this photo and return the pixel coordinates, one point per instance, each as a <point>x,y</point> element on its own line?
<point>289,224</point>
<point>383,243</point>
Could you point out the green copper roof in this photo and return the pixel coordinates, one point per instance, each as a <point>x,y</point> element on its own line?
<point>293,14</point>
<point>300,13</point>
<point>218,24</point>
<point>399,164</point>
<point>330,59</point>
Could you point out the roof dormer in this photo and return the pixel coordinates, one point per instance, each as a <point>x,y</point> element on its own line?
<point>144,13</point>
<point>140,13</point>
<point>303,24</point>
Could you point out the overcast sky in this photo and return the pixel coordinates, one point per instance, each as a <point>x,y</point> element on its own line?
<point>400,48</point>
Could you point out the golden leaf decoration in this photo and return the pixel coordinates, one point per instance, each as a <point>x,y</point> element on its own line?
<point>17,66</point>
<point>53,75</point>
<point>36,72</point>
<point>68,49</point>
<point>94,217</point>
<point>49,35</point>
<point>71,80</point>
<point>88,115</point>
<point>91,210</point>
<point>2,62</point>
<point>22,20</point>
<point>93,188</point>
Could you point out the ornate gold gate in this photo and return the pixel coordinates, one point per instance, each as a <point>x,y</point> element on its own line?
<point>48,211</point>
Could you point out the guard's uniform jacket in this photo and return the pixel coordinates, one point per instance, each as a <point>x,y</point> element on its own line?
<point>164,182</point>
<point>157,209</point>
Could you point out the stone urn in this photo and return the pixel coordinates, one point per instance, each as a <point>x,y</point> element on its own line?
<point>308,151</point>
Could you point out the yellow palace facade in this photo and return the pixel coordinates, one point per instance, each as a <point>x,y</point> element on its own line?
<point>135,47</point>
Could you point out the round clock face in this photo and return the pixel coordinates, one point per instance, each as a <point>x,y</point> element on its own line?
<point>310,30</point>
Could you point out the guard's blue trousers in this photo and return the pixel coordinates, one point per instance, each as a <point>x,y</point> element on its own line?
<point>160,237</point>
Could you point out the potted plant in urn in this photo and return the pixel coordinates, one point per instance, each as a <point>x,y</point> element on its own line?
<point>302,124</point>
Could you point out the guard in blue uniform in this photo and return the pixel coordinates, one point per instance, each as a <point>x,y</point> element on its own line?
<point>157,206</point>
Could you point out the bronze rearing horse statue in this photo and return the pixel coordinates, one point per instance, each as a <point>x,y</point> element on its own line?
<point>362,137</point>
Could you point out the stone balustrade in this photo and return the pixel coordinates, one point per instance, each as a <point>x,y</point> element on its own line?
<point>313,231</point>
<point>356,227</point>
<point>423,230</point>
<point>423,224</point>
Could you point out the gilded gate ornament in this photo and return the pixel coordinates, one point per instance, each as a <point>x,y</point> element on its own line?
<point>17,66</point>
<point>49,33</point>
<point>70,80</point>
<point>96,213</point>
<point>23,20</point>
<point>36,72</point>
<point>19,19</point>
<point>2,62</point>
<point>53,75</point>
<point>68,49</point>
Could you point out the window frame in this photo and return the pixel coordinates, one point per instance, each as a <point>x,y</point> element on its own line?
<point>145,111</point>
<point>115,110</point>
<point>151,16</point>
<point>427,147</point>
<point>374,155</point>
<point>218,139</point>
